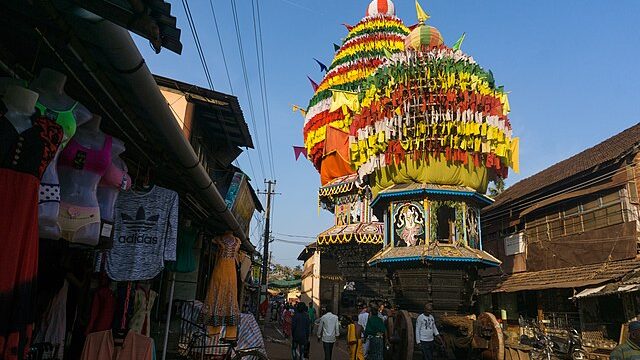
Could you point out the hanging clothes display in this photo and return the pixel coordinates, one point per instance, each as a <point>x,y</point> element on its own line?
<point>53,328</point>
<point>102,309</point>
<point>143,303</point>
<point>185,258</point>
<point>23,158</point>
<point>221,303</point>
<point>100,346</point>
<point>145,234</point>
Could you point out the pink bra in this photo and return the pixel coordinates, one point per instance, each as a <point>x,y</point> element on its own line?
<point>82,158</point>
<point>116,177</point>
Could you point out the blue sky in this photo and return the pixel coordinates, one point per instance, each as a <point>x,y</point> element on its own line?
<point>571,67</point>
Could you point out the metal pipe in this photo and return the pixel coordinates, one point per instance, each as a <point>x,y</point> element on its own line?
<point>120,52</point>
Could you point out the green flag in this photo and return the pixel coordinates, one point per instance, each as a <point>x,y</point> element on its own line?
<point>458,43</point>
<point>387,53</point>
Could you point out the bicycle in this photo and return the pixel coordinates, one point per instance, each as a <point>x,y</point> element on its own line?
<point>190,353</point>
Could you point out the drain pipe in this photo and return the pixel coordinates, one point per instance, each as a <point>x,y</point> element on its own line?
<point>123,56</point>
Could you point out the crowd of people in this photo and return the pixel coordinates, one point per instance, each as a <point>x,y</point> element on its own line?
<point>366,334</point>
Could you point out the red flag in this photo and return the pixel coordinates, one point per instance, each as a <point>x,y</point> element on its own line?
<point>313,84</point>
<point>299,150</point>
<point>349,27</point>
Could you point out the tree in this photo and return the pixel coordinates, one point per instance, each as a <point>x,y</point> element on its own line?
<point>496,188</point>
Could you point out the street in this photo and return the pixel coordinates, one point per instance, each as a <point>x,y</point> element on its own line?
<point>279,348</point>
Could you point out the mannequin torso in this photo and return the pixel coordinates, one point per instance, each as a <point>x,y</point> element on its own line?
<point>108,193</point>
<point>50,85</point>
<point>20,104</point>
<point>79,181</point>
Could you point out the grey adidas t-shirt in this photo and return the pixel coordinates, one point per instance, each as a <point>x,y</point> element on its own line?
<point>145,233</point>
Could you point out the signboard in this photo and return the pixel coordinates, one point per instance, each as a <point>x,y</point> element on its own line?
<point>514,244</point>
<point>240,201</point>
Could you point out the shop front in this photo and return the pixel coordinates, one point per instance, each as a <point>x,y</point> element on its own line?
<point>110,211</point>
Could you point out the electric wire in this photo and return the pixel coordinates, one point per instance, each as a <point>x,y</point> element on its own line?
<point>297,236</point>
<point>224,58</point>
<point>259,46</point>
<point>236,23</point>
<point>196,39</point>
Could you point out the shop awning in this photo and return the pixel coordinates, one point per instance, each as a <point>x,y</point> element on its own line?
<point>563,278</point>
<point>285,284</point>
<point>629,283</point>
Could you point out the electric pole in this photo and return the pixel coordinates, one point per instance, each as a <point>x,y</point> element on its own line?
<point>267,232</point>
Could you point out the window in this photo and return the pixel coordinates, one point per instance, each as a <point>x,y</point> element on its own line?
<point>591,214</point>
<point>446,219</point>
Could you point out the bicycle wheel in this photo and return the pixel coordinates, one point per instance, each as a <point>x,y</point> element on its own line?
<point>250,354</point>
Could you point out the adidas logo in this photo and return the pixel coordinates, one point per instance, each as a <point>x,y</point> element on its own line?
<point>140,223</point>
<point>138,227</point>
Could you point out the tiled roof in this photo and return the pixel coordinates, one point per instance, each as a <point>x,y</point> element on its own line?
<point>435,252</point>
<point>606,151</point>
<point>571,277</point>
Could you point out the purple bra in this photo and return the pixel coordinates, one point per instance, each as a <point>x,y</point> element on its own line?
<point>79,157</point>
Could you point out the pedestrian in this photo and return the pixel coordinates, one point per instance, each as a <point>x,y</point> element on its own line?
<point>363,317</point>
<point>376,333</point>
<point>299,332</point>
<point>382,312</point>
<point>426,332</point>
<point>287,317</point>
<point>354,339</point>
<point>328,331</point>
<point>630,349</point>
<point>312,315</point>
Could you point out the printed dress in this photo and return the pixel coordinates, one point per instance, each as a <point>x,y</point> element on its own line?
<point>23,158</point>
<point>222,296</point>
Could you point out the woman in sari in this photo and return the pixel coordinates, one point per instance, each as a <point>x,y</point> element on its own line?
<point>287,316</point>
<point>354,339</point>
<point>376,332</point>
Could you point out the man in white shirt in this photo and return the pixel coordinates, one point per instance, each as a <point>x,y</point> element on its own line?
<point>328,331</point>
<point>363,317</point>
<point>426,331</point>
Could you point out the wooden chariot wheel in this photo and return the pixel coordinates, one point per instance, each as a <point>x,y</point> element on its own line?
<point>490,330</point>
<point>403,337</point>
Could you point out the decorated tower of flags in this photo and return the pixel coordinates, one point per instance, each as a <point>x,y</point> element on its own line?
<point>398,105</point>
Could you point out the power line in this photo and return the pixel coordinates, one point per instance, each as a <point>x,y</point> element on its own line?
<point>224,58</point>
<point>196,39</point>
<point>298,236</point>
<point>257,32</point>
<point>243,63</point>
<point>291,242</point>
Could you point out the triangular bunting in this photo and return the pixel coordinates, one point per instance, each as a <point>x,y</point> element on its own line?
<point>314,85</point>
<point>458,43</point>
<point>298,108</point>
<point>299,150</point>
<point>336,47</point>
<point>323,67</point>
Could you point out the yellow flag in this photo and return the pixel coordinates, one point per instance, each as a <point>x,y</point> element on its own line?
<point>298,108</point>
<point>346,98</point>
<point>422,15</point>
<point>515,154</point>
